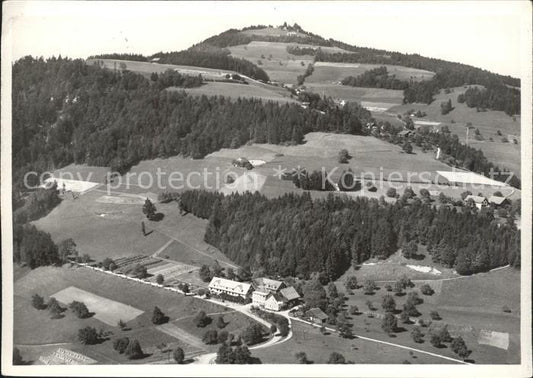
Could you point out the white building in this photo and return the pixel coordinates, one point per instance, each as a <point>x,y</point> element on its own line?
<point>237,289</point>
<point>272,294</point>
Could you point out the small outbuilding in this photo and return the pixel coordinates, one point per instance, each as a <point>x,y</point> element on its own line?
<point>316,315</point>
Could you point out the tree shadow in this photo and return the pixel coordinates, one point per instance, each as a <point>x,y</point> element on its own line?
<point>148,233</point>
<point>157,217</point>
<point>400,330</point>
<point>470,361</point>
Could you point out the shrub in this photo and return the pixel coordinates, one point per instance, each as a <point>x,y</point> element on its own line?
<point>417,335</point>
<point>426,289</point>
<point>354,310</point>
<point>79,309</point>
<point>179,355</point>
<point>158,317</point>
<point>121,344</point>
<point>391,192</point>
<point>201,319</point>
<point>435,315</point>
<point>301,358</point>
<point>222,337</point>
<point>220,322</point>
<point>389,323</point>
<point>38,302</point>
<point>134,350</point>
<point>88,336</point>
<point>210,337</point>
<point>506,309</point>
<point>159,279</point>
<point>253,334</point>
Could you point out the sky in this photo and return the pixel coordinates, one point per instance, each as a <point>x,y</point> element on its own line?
<point>483,34</point>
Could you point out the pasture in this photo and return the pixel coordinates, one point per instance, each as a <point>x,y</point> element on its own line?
<point>332,73</point>
<point>235,91</point>
<point>318,347</point>
<point>34,330</point>
<point>488,122</point>
<point>392,97</point>
<point>275,60</point>
<point>147,68</point>
<point>471,306</point>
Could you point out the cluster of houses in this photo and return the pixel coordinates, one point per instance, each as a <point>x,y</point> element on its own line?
<point>480,201</point>
<point>270,294</point>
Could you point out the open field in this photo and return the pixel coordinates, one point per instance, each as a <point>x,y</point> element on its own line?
<point>489,122</point>
<point>275,60</point>
<point>235,91</point>
<point>110,226</point>
<point>471,306</point>
<point>318,347</point>
<point>331,73</point>
<point>82,173</point>
<point>147,68</point>
<point>35,332</point>
<point>368,97</point>
<point>105,310</point>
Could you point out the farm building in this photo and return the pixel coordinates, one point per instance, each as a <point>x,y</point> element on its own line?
<point>405,133</point>
<point>316,316</point>
<point>242,162</point>
<point>498,201</point>
<point>477,201</point>
<point>273,294</point>
<point>223,286</point>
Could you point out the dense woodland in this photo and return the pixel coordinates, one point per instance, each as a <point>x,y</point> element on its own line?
<point>213,58</point>
<point>294,235</point>
<point>496,97</point>
<point>376,78</point>
<point>65,111</point>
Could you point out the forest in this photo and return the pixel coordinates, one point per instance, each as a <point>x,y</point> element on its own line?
<point>496,97</point>
<point>375,78</point>
<point>294,235</point>
<point>65,111</point>
<point>211,57</point>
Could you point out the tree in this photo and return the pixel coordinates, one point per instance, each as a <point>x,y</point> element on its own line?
<point>201,319</point>
<point>398,288</point>
<point>446,107</point>
<point>222,337</point>
<point>88,336</point>
<point>391,192</point>
<point>253,334</point>
<point>106,264</point>
<point>351,283</point>
<point>38,302</point>
<point>220,322</point>
<point>459,347</point>
<point>179,355</point>
<point>354,310</point>
<point>369,287</point>
<point>410,309</point>
<point>210,336</point>
<point>301,358</point>
<point>426,289</point>
<point>139,271</point>
<point>389,323</point>
<point>314,294</point>
<point>344,156</point>
<point>205,273</point>
<point>404,317</point>
<point>158,317</point>
<point>417,335</point>
<point>336,358</point>
<point>332,290</point>
<point>134,350</point>
<point>121,324</point>
<point>149,209</point>
<point>230,273</point>
<point>344,327</point>
<point>410,249</point>
<point>159,279</point>
<point>444,334</point>
<point>80,309</point>
<point>435,340</point>
<point>435,315</point>
<point>55,309</point>
<point>407,147</point>
<point>388,304</point>
<point>67,249</point>
<point>121,344</point>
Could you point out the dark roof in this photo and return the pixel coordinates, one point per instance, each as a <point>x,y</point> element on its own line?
<point>290,293</point>
<point>317,313</point>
